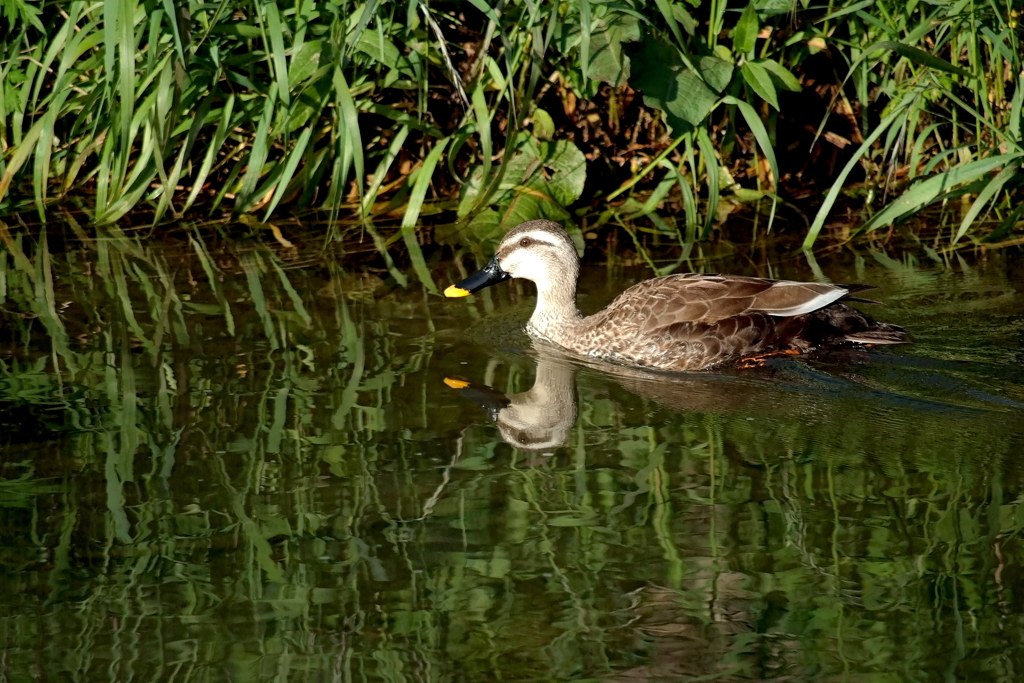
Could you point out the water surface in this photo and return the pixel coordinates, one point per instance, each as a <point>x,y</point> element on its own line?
<point>226,463</point>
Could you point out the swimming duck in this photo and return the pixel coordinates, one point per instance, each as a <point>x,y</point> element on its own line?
<point>680,322</point>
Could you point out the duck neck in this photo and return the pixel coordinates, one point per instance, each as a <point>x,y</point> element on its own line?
<point>542,417</point>
<point>556,317</point>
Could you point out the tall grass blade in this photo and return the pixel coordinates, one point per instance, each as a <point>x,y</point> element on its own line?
<point>763,141</point>
<point>224,125</point>
<point>837,185</point>
<point>382,169</point>
<point>206,261</point>
<point>412,213</point>
<point>917,56</point>
<point>710,158</point>
<point>253,267</point>
<point>585,26</point>
<point>1015,129</point>
<point>350,145</point>
<point>293,295</point>
<point>20,156</point>
<point>992,189</point>
<point>483,130</point>
<point>258,155</point>
<point>277,52</point>
<point>292,163</point>
<point>926,191</point>
<point>673,26</point>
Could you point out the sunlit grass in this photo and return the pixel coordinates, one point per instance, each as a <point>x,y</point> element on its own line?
<point>385,107</point>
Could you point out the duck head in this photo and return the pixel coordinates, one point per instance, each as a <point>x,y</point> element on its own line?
<point>539,419</point>
<point>540,251</point>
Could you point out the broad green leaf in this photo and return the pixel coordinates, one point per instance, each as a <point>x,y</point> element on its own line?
<point>781,74</point>
<point>716,72</point>
<point>654,64</point>
<point>684,18</point>
<point>608,62</point>
<point>563,171</point>
<point>382,50</point>
<point>757,78</point>
<point>539,180</point>
<point>691,99</point>
<point>305,62</point>
<point>668,85</point>
<point>555,168</point>
<point>771,8</point>
<point>543,124</point>
<point>529,204</point>
<point>744,35</point>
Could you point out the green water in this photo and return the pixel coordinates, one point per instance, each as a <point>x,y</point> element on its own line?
<point>227,464</point>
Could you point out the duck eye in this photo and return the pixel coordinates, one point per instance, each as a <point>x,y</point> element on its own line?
<point>525,242</point>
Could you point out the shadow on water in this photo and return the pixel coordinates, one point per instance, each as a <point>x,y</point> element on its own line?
<point>217,465</point>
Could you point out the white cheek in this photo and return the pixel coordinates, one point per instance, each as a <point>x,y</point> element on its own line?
<point>524,265</point>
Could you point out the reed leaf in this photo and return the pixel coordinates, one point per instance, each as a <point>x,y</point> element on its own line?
<point>837,186</point>
<point>926,191</point>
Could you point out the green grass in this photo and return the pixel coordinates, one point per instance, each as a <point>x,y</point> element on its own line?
<point>160,110</point>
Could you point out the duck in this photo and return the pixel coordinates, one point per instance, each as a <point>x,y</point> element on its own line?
<point>680,322</point>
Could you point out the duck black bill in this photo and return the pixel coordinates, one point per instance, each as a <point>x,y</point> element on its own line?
<point>484,396</point>
<point>491,274</point>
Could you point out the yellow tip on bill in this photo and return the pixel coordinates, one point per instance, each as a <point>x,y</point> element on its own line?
<point>456,383</point>
<point>454,291</point>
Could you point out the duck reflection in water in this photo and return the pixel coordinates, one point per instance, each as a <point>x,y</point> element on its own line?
<point>538,419</point>
<point>541,418</point>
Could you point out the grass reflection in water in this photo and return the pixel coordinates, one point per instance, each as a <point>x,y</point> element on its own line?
<point>216,466</point>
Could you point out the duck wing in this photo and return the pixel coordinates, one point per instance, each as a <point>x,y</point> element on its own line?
<point>709,299</point>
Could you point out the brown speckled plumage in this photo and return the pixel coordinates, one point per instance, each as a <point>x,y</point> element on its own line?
<point>681,322</point>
